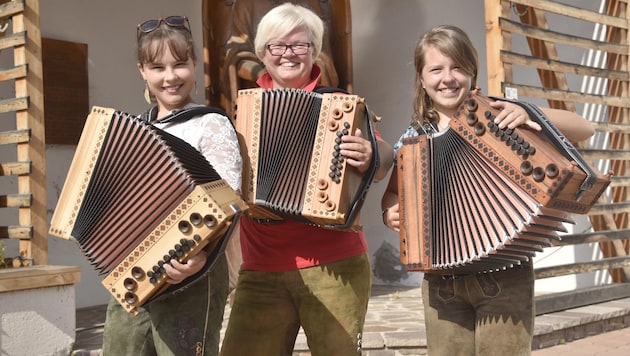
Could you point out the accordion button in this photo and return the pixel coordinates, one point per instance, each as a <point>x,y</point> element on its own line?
<point>130,298</point>
<point>538,174</point>
<point>471,119</point>
<point>209,220</point>
<point>195,219</point>
<point>322,184</point>
<point>137,272</point>
<point>130,284</point>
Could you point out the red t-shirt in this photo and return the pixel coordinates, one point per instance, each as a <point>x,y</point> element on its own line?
<point>290,244</point>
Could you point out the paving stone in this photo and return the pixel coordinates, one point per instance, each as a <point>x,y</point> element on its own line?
<point>395,327</point>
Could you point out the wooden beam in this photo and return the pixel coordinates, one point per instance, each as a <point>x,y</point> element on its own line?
<point>38,277</point>
<point>13,73</point>
<point>560,38</point>
<point>16,232</point>
<point>494,43</point>
<point>14,104</point>
<point>574,12</point>
<point>564,95</point>
<point>582,267</point>
<point>550,303</point>
<point>610,208</point>
<point>15,200</point>
<point>15,168</point>
<point>14,136</point>
<point>560,66</point>
<point>32,118</point>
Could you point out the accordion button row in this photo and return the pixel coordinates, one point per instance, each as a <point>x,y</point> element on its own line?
<point>337,161</point>
<point>512,139</point>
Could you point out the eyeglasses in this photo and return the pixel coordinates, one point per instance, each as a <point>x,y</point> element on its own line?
<point>278,49</point>
<point>173,21</point>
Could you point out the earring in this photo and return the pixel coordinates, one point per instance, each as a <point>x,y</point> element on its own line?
<point>147,93</point>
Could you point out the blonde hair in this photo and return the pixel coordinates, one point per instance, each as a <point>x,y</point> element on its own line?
<point>285,18</point>
<point>452,42</point>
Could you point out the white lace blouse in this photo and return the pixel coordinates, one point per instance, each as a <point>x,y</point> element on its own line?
<point>213,135</point>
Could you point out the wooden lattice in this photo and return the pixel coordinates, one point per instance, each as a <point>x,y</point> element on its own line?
<point>20,20</point>
<point>532,21</point>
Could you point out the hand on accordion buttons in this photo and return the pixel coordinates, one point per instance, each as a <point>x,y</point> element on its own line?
<point>512,116</point>
<point>357,151</point>
<point>177,271</point>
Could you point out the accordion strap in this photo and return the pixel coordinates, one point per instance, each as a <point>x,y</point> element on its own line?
<point>180,115</point>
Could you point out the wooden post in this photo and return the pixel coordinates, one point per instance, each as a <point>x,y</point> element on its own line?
<point>32,119</point>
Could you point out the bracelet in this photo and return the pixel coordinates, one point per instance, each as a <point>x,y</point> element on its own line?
<point>383,216</point>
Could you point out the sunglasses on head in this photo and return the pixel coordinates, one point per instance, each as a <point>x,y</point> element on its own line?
<point>173,21</point>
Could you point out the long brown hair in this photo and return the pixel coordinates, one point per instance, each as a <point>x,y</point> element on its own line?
<point>452,42</point>
<point>177,39</point>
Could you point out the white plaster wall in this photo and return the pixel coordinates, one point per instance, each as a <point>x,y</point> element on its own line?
<point>37,322</point>
<point>384,34</point>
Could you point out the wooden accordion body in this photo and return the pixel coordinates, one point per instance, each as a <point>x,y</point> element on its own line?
<point>137,197</point>
<point>476,198</point>
<point>292,167</point>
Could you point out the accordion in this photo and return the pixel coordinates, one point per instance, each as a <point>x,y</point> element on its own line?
<point>477,198</point>
<point>292,167</point>
<point>137,197</point>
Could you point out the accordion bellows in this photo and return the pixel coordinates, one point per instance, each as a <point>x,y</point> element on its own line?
<point>136,197</point>
<point>476,198</point>
<point>292,167</point>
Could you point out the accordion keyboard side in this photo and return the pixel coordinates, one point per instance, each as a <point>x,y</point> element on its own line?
<point>414,197</point>
<point>198,221</point>
<point>530,160</point>
<point>332,183</point>
<point>80,172</point>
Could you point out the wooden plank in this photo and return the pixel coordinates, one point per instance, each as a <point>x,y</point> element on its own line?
<point>33,119</point>
<point>15,136</point>
<point>14,104</point>
<point>545,49</point>
<point>560,38</point>
<point>574,12</point>
<point>16,232</point>
<point>550,303</point>
<point>14,73</point>
<point>40,276</point>
<point>15,201</point>
<point>14,168</point>
<point>611,127</point>
<point>591,237</point>
<point>610,208</point>
<point>592,153</point>
<point>582,267</point>
<point>494,43</point>
<point>564,67</point>
<point>563,95</point>
<point>11,8</point>
<point>11,41</point>
<point>619,181</point>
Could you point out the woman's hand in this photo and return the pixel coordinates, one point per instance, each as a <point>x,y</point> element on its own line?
<point>177,271</point>
<point>512,115</point>
<point>391,217</point>
<point>357,151</point>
